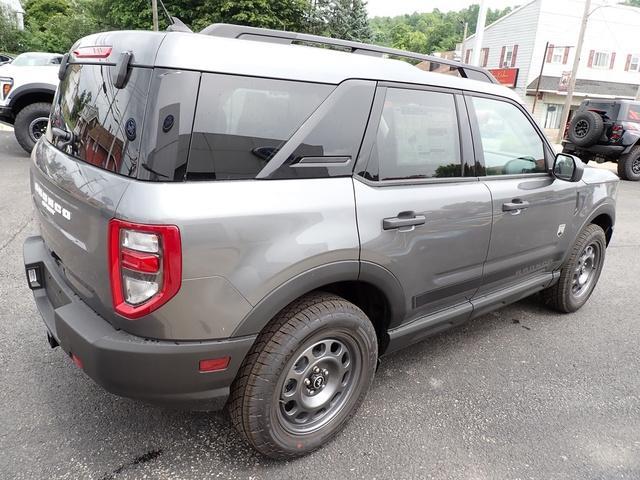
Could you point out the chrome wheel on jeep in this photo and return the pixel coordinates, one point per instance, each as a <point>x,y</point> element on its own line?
<point>305,376</point>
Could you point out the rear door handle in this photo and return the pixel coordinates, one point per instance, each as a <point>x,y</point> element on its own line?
<point>517,204</point>
<point>404,219</point>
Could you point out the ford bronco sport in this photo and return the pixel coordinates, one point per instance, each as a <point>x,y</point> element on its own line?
<point>257,226</point>
<point>604,130</point>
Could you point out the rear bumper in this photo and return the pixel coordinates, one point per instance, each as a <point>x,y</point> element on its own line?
<point>604,150</point>
<point>124,364</point>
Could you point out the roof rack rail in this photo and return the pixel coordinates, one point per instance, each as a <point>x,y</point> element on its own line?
<point>278,36</point>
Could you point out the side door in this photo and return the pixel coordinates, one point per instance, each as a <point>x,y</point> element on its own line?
<point>532,210</point>
<point>422,213</point>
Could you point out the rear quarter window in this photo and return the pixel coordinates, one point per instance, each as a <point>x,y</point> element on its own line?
<point>241,122</point>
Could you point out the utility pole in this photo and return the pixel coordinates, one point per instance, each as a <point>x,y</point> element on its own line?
<point>544,59</point>
<point>482,19</point>
<point>154,11</point>
<point>574,72</point>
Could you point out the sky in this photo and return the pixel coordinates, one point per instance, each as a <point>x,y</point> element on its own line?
<point>390,8</point>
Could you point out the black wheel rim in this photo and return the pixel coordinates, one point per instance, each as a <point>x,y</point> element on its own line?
<point>586,270</point>
<point>37,128</point>
<point>635,166</point>
<point>581,128</point>
<point>318,382</point>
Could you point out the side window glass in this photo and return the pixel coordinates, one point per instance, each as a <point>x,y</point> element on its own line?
<point>241,122</point>
<point>417,137</point>
<point>510,143</point>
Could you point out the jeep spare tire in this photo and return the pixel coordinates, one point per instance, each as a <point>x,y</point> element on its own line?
<point>585,128</point>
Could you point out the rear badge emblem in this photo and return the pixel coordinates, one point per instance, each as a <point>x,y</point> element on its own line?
<point>168,123</point>
<point>130,129</point>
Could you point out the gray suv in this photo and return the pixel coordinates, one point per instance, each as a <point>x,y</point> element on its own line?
<point>240,218</point>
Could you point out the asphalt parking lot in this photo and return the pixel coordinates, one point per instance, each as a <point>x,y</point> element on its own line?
<point>522,393</point>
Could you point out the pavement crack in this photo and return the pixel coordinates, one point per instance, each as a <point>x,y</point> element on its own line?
<point>16,233</point>
<point>144,458</point>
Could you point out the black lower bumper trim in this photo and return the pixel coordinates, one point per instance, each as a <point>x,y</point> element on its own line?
<point>127,365</point>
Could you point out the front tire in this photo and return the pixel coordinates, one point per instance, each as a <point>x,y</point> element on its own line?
<point>629,165</point>
<point>31,124</point>
<point>580,272</point>
<point>305,377</point>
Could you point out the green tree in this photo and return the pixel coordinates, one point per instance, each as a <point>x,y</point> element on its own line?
<point>11,39</point>
<point>347,19</point>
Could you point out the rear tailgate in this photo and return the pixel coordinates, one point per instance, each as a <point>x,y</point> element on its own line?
<point>91,155</point>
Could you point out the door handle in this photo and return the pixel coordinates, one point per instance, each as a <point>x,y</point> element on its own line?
<point>517,204</point>
<point>404,219</point>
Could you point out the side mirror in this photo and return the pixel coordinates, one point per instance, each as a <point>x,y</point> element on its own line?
<point>568,167</point>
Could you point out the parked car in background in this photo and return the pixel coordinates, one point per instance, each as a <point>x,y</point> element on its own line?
<point>5,58</point>
<point>27,87</point>
<point>607,130</point>
<point>257,226</point>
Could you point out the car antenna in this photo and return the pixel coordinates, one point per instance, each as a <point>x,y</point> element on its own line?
<point>175,24</point>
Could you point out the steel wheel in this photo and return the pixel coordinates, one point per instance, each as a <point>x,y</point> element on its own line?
<point>586,270</point>
<point>37,128</point>
<point>318,382</point>
<point>635,166</point>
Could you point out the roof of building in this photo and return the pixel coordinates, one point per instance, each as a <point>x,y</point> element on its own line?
<point>586,87</point>
<point>504,17</point>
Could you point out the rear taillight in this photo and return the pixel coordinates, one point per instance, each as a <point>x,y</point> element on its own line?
<point>145,266</point>
<point>616,133</point>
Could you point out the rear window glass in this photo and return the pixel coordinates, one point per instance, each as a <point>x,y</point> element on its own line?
<point>97,123</point>
<point>241,122</point>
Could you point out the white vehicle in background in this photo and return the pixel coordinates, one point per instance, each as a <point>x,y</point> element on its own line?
<point>27,87</point>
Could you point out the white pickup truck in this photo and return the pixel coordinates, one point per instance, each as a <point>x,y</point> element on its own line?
<point>27,87</point>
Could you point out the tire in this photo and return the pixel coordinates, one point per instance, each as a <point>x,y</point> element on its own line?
<point>568,295</point>
<point>585,129</point>
<point>332,334</point>
<point>629,165</point>
<point>27,121</point>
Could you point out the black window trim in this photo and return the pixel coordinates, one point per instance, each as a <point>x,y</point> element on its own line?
<point>549,154</point>
<point>464,134</point>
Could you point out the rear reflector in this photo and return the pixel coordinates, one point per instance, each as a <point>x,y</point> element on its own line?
<point>76,360</point>
<point>139,261</point>
<point>214,364</point>
<point>92,52</point>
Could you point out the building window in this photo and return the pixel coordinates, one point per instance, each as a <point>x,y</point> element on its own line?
<point>508,56</point>
<point>484,56</point>
<point>557,56</point>
<point>601,59</point>
<point>552,118</point>
<point>467,56</point>
<point>634,63</point>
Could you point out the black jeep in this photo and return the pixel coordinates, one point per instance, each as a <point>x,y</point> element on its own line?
<point>604,130</point>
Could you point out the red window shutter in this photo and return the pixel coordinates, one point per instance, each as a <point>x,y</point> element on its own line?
<point>613,60</point>
<point>627,64</point>
<point>513,56</point>
<point>502,56</point>
<point>565,58</point>
<point>550,53</point>
<point>485,57</point>
<point>591,55</point>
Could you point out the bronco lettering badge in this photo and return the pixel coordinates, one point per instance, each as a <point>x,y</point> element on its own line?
<point>49,202</point>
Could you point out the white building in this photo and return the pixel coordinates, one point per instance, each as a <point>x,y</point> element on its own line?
<point>514,48</point>
<point>14,10</point>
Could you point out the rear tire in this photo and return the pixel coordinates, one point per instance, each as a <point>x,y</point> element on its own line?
<point>30,124</point>
<point>280,402</point>
<point>629,165</point>
<point>579,273</point>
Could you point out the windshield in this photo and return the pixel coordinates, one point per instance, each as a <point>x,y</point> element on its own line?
<point>36,59</point>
